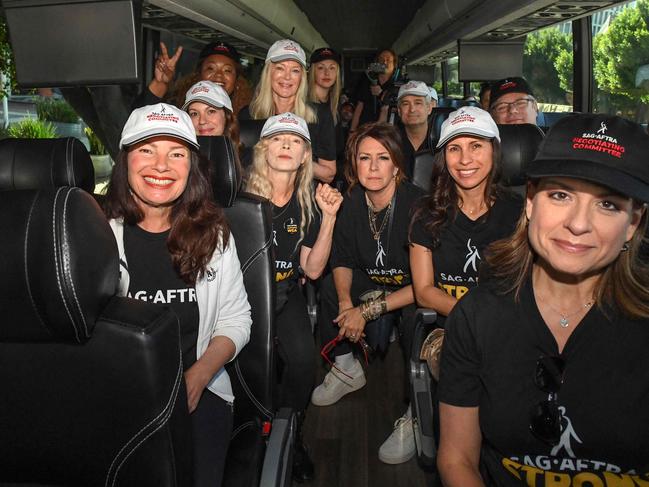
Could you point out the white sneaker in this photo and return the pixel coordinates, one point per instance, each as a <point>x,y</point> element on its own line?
<point>336,385</point>
<point>400,445</point>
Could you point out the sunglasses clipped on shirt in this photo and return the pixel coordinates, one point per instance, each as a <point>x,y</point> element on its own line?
<point>545,418</point>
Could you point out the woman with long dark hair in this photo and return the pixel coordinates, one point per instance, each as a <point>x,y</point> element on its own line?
<point>218,62</point>
<point>465,211</point>
<point>370,258</point>
<point>176,249</point>
<point>543,370</point>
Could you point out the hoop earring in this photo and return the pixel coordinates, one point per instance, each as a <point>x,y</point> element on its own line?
<point>625,247</point>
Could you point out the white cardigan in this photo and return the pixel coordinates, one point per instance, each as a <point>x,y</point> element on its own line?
<point>223,306</point>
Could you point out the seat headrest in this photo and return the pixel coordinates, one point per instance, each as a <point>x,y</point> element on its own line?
<point>249,135</point>
<point>435,121</point>
<point>225,169</point>
<point>59,265</point>
<point>519,144</point>
<point>45,163</point>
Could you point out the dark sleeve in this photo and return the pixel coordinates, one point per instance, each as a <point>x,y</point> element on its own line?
<point>342,250</point>
<point>324,146</point>
<point>145,98</point>
<point>459,378</point>
<point>362,91</point>
<point>419,235</point>
<point>244,113</point>
<point>311,234</point>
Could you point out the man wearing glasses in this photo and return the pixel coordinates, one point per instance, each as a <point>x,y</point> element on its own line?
<point>512,102</point>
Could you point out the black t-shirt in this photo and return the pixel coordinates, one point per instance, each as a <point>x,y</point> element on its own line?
<point>371,103</point>
<point>409,151</point>
<point>286,238</point>
<point>489,358</point>
<point>386,262</point>
<point>153,279</point>
<point>323,136</point>
<point>462,241</point>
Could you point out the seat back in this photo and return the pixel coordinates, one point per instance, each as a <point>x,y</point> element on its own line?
<point>422,169</point>
<point>45,163</point>
<point>519,144</point>
<point>225,168</point>
<point>252,373</point>
<point>249,135</point>
<point>91,381</point>
<point>435,121</point>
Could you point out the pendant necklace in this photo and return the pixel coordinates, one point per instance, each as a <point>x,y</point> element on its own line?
<point>563,322</point>
<point>371,216</point>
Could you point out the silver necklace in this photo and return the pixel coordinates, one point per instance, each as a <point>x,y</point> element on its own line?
<point>563,322</point>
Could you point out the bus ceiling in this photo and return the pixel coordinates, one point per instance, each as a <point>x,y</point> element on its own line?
<point>424,31</point>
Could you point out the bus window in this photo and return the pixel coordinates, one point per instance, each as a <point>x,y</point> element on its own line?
<point>547,67</point>
<point>620,61</point>
<point>455,88</point>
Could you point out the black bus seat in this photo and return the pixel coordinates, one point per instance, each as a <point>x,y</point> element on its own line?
<point>92,381</point>
<point>422,393</point>
<point>423,164</point>
<point>225,167</point>
<point>262,438</point>
<point>519,144</point>
<point>249,135</point>
<point>45,163</point>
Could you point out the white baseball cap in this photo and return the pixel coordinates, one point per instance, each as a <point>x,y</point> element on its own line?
<point>416,88</point>
<point>286,49</point>
<point>286,122</point>
<point>468,121</point>
<point>154,120</point>
<point>209,93</point>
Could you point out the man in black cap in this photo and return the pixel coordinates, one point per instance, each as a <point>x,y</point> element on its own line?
<point>513,102</point>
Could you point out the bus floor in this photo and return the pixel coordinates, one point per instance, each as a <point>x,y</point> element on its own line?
<point>344,438</point>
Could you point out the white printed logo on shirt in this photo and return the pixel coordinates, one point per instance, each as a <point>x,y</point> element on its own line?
<point>471,257</point>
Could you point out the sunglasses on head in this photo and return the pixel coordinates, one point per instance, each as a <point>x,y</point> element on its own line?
<point>545,418</point>
<point>326,350</point>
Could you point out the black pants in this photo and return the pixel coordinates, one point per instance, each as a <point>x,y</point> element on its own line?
<point>329,310</point>
<point>297,352</point>
<point>211,432</point>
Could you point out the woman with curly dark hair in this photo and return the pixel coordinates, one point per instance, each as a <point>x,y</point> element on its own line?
<point>176,249</point>
<point>465,211</point>
<point>218,62</point>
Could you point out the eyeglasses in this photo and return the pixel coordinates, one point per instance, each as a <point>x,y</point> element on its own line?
<point>545,418</point>
<point>326,350</point>
<point>519,105</point>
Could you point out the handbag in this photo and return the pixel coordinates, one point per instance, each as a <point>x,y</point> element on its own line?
<point>431,351</point>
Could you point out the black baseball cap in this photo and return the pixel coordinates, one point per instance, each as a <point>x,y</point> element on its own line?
<point>222,48</point>
<point>324,54</point>
<point>509,85</point>
<point>603,149</point>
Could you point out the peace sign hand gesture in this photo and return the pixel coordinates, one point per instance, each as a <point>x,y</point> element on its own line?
<point>165,66</point>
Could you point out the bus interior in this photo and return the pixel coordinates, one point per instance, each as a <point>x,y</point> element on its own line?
<point>580,56</point>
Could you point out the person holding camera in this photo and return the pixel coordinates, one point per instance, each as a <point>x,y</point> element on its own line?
<point>373,89</point>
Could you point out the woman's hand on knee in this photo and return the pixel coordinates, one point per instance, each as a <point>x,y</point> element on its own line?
<point>351,324</point>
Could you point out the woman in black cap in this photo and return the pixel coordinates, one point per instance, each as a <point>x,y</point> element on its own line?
<point>325,86</point>
<point>544,367</point>
<point>218,62</point>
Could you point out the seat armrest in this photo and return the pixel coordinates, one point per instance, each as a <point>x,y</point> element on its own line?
<point>276,471</point>
<point>421,392</point>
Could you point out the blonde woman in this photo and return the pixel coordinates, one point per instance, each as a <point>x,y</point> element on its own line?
<point>283,88</point>
<point>325,83</point>
<point>303,226</point>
